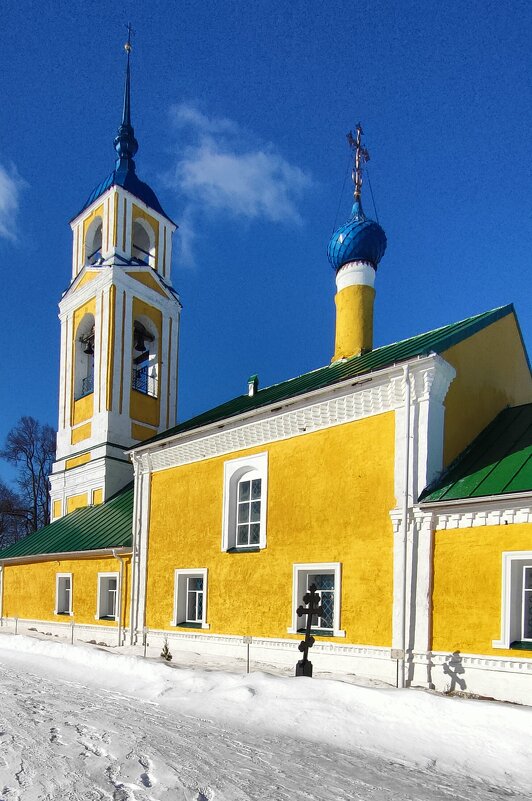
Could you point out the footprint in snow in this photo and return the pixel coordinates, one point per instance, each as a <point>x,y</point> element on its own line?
<point>205,794</point>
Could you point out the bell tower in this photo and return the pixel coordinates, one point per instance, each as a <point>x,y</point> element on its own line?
<point>119,332</point>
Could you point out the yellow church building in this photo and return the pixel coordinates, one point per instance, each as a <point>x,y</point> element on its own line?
<point>398,480</point>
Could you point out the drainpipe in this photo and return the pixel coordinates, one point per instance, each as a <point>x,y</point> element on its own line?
<point>120,581</point>
<point>404,533</point>
<point>1,595</point>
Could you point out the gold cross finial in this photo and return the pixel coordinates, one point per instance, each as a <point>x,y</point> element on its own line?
<point>130,33</point>
<point>361,157</point>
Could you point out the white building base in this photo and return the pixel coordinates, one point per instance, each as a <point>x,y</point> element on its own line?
<point>504,679</point>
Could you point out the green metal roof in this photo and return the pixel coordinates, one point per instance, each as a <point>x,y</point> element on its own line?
<point>436,341</point>
<point>89,529</point>
<point>497,462</point>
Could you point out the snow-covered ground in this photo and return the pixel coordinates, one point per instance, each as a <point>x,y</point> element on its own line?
<point>77,722</point>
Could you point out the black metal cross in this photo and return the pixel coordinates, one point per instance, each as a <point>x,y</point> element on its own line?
<point>312,600</point>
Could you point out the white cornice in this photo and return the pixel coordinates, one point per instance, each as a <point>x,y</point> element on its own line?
<point>490,510</point>
<point>75,297</point>
<point>54,557</point>
<point>349,400</point>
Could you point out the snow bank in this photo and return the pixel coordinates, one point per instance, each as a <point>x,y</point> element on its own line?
<point>470,738</point>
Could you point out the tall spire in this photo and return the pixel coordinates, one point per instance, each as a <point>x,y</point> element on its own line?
<point>361,157</point>
<point>125,143</point>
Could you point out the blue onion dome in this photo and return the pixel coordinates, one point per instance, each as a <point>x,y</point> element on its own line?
<point>359,239</point>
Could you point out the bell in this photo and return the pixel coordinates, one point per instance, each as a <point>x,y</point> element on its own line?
<point>139,340</point>
<point>89,347</point>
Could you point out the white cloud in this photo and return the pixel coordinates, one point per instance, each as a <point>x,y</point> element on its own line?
<point>11,185</point>
<point>223,170</point>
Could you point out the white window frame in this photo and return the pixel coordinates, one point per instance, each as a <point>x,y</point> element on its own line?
<point>234,470</point>
<point>300,572</point>
<point>180,591</point>
<point>101,576</point>
<point>58,577</point>
<point>512,596</point>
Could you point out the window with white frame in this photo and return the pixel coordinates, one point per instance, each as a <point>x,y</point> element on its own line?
<point>107,596</point>
<point>63,594</point>
<point>190,598</point>
<point>516,601</point>
<point>326,577</point>
<point>245,500</point>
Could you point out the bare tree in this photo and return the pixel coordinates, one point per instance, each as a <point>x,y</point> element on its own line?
<point>30,446</point>
<point>14,519</point>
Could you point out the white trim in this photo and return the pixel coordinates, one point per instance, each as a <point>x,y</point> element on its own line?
<point>59,576</point>
<point>314,567</point>
<point>110,574</point>
<point>350,400</point>
<point>493,510</point>
<point>200,572</point>
<point>355,273</point>
<point>508,560</point>
<point>54,557</point>
<point>234,469</point>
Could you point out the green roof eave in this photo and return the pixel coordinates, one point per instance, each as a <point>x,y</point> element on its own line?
<point>92,528</point>
<point>436,341</point>
<point>497,463</point>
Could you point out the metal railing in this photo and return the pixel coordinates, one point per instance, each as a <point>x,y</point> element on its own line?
<point>87,386</point>
<point>143,382</point>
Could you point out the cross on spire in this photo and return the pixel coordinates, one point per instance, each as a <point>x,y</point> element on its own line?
<point>130,32</point>
<point>125,143</point>
<point>361,157</point>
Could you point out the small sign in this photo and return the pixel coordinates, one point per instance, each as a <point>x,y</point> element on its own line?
<point>397,653</point>
<point>247,640</point>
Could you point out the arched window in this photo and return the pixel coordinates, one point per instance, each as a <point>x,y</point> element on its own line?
<point>143,246</point>
<point>93,242</point>
<point>84,358</point>
<point>245,497</point>
<point>145,363</point>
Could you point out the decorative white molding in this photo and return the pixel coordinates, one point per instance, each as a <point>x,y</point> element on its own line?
<point>179,591</point>
<point>345,402</point>
<point>488,511</point>
<point>355,273</point>
<point>508,599</point>
<point>59,576</point>
<point>316,567</point>
<point>368,651</point>
<point>234,469</point>
<point>507,664</point>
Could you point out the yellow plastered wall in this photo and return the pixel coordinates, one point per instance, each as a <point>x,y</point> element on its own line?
<point>467,585</point>
<point>354,321</point>
<point>76,461</point>
<point>491,373</point>
<point>329,496</point>
<point>140,214</point>
<point>148,280</point>
<point>141,432</point>
<point>82,409</point>
<point>77,502</point>
<point>81,433</point>
<point>144,408</point>
<point>56,509</point>
<point>29,589</point>
<point>97,497</point>
<point>87,278</point>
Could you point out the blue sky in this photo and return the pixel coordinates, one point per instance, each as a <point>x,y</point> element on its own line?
<point>241,111</point>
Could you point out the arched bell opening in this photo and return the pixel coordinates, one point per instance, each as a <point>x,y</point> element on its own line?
<point>93,242</point>
<point>143,244</point>
<point>84,358</point>
<point>145,358</point>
